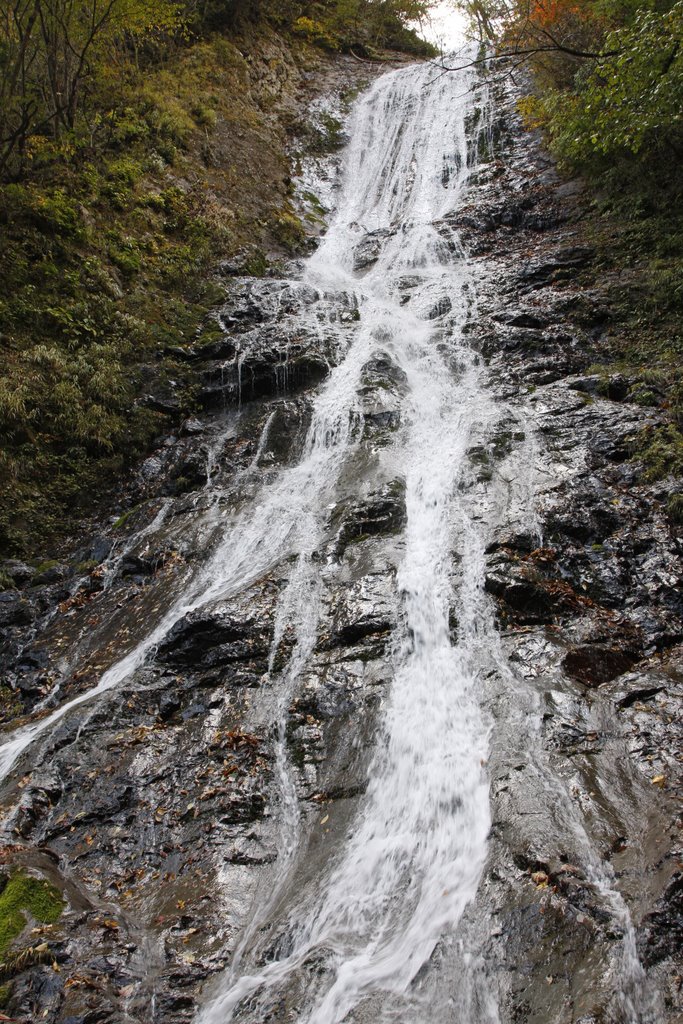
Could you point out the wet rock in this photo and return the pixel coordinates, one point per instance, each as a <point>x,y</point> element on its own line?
<point>267,367</point>
<point>37,993</point>
<point>587,385</point>
<point>151,469</point>
<point>191,427</point>
<point>618,388</point>
<point>172,1003</point>
<point>56,573</point>
<point>593,664</point>
<point>188,472</point>
<point>660,936</point>
<point>100,548</point>
<point>527,600</point>
<point>140,565</point>
<point>383,383</point>
<point>201,639</point>
<point>639,695</point>
<point>440,308</point>
<point>522,319</point>
<point>523,542</point>
<point>223,349</point>
<point>361,609</point>
<point>550,270</point>
<point>593,523</point>
<point>369,249</point>
<point>15,610</point>
<point>20,573</point>
<point>168,705</point>
<point>382,513</point>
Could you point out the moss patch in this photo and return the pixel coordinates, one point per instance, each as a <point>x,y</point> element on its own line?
<point>24,895</point>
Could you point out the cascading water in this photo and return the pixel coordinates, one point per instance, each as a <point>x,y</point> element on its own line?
<point>414,856</point>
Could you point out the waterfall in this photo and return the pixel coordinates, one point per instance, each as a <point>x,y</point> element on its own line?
<point>379,930</point>
<point>413,858</point>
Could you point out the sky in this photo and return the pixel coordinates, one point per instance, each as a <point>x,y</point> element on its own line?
<point>446,27</point>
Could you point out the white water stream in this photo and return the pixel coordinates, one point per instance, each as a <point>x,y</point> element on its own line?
<point>414,858</point>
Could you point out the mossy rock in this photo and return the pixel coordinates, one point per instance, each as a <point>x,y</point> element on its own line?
<point>24,894</point>
<point>674,507</point>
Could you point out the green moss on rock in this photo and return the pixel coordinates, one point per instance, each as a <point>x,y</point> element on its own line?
<point>23,894</point>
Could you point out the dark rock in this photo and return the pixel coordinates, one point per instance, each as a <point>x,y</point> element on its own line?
<point>382,513</point>
<point>639,695</point>
<point>20,573</point>
<point>593,664</point>
<point>618,388</point>
<point>54,574</point>
<point>588,385</point>
<point>210,640</point>
<point>171,1003</point>
<point>516,541</point>
<point>37,993</point>
<point>151,469</point>
<point>564,262</point>
<point>369,248</point>
<point>188,473</point>
<point>138,565</point>
<point>168,705</point>
<point>522,320</point>
<point>443,306</point>
<point>590,522</point>
<point>219,348</point>
<point>528,600</point>
<point>262,371</point>
<point>15,610</point>
<point>661,933</point>
<point>194,711</point>
<point>191,427</point>
<point>167,404</point>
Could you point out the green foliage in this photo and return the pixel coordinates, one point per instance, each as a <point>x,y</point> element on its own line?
<point>314,32</point>
<point>120,188</point>
<point>51,54</point>
<point>24,894</point>
<point>361,25</point>
<point>661,451</point>
<point>674,507</point>
<point>628,102</point>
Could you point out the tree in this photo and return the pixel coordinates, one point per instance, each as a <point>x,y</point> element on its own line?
<point>50,50</point>
<point>608,73</point>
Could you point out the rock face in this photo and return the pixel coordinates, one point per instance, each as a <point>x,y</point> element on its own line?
<point>159,810</point>
<point>590,611</point>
